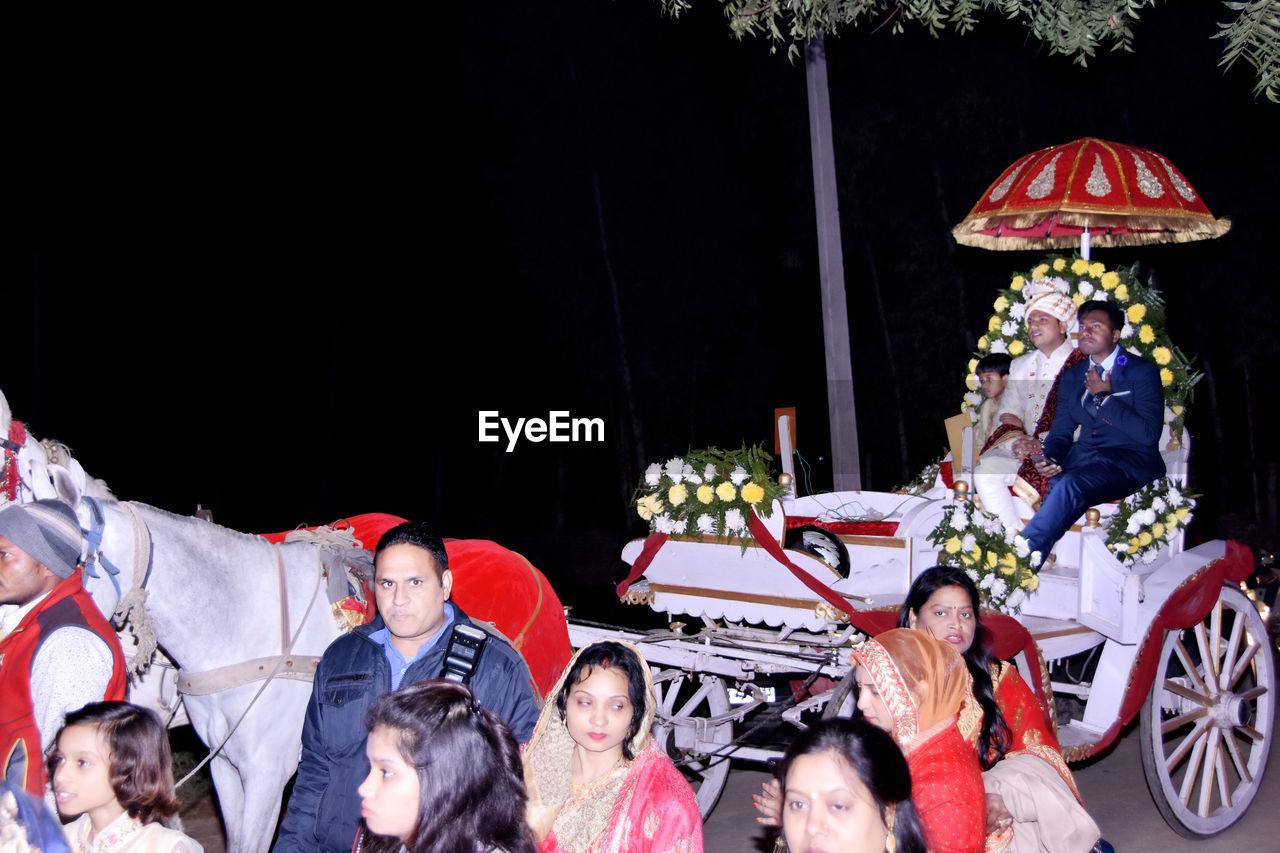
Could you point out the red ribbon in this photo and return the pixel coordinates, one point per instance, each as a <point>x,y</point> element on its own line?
<point>766,541</point>
<point>12,477</point>
<point>651,546</point>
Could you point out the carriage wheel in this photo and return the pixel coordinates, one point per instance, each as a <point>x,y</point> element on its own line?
<point>1207,724</point>
<point>686,730</point>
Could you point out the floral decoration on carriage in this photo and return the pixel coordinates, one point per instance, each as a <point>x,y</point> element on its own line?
<point>709,492</point>
<point>997,557</point>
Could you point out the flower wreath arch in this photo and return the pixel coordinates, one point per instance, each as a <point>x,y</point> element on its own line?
<point>999,559</point>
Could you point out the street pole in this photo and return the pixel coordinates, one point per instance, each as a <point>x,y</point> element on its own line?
<point>845,461</point>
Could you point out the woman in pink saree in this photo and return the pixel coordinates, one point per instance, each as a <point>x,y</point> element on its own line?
<point>597,781</point>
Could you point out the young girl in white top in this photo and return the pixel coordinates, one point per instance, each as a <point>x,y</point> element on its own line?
<point>111,770</point>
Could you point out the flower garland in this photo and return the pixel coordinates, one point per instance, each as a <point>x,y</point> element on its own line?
<point>708,492</point>
<point>1148,519</point>
<point>926,480</point>
<point>1143,333</point>
<point>998,559</point>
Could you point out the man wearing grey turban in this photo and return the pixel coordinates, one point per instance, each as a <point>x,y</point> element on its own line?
<point>57,652</point>
<point>1032,376</point>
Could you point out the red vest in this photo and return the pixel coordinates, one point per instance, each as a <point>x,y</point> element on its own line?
<point>21,760</point>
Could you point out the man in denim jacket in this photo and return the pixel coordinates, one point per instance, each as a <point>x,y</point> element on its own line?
<point>405,644</point>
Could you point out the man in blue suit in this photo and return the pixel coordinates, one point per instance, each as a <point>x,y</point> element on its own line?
<point>1117,401</point>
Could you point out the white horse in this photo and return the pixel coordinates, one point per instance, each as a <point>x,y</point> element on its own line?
<point>226,607</point>
<point>36,463</point>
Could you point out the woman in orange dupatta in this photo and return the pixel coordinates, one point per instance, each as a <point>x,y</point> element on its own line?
<point>913,686</point>
<point>598,783</point>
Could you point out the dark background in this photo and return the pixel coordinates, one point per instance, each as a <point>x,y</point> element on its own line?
<point>274,260</point>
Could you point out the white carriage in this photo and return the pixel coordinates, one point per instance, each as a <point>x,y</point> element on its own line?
<point>1175,642</point>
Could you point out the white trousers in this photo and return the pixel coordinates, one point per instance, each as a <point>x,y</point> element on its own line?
<point>996,471</point>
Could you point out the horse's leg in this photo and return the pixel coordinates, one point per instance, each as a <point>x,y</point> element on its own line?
<point>231,800</point>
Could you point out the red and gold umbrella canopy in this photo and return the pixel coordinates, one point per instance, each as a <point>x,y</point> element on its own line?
<point>1123,195</point>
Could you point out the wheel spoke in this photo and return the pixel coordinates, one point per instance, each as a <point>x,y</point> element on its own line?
<point>694,701</point>
<point>1215,638</point>
<point>1207,662</point>
<point>1194,738</point>
<point>1251,733</point>
<point>1193,767</point>
<point>1181,720</point>
<point>1224,785</point>
<point>1234,749</point>
<point>1233,648</point>
<point>1243,664</point>
<point>1210,766</point>
<point>1188,693</point>
<point>1185,657</point>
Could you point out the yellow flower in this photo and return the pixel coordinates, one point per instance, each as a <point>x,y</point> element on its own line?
<point>1110,280</point>
<point>1096,269</point>
<point>705,494</point>
<point>1018,283</point>
<point>1079,266</point>
<point>726,492</point>
<point>1134,542</point>
<point>983,343</point>
<point>1136,312</point>
<point>1016,348</point>
<point>1177,411</point>
<point>649,506</point>
<point>1162,355</point>
<point>1183,512</point>
<point>1171,520</point>
<point>1144,538</point>
<point>1157,530</point>
<point>971,382</point>
<point>992,559</point>
<point>966,559</point>
<point>1166,377</point>
<point>1001,303</point>
<point>973,365</point>
<point>677,494</point>
<point>1039,271</point>
<point>952,545</point>
<point>1147,334</point>
<point>1077,298</point>
<point>993,325</point>
<point>1031,583</point>
<point>1059,264</point>
<point>1122,293</point>
<point>751,493</point>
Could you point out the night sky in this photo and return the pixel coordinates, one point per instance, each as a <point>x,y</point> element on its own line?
<point>274,261</point>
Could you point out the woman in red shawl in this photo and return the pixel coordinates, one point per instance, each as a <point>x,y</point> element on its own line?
<point>597,780</point>
<point>1028,782</point>
<point>913,686</point>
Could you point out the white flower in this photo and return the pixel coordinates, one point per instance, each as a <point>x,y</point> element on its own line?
<point>739,475</point>
<point>709,473</point>
<point>1148,516</point>
<point>1085,289</point>
<point>999,587</point>
<point>674,468</point>
<point>691,477</point>
<point>968,543</point>
<point>999,346</point>
<point>985,583</point>
<point>1150,557</point>
<point>1036,558</point>
<point>1060,284</point>
<point>1018,310</point>
<point>652,474</point>
<point>973,575</point>
<point>1127,331</point>
<point>960,519</point>
<point>1158,504</point>
<point>1015,600</point>
<point>973,398</point>
<point>734,521</point>
<point>1020,546</point>
<point>1121,547</point>
<point>706,524</point>
<point>1101,296</point>
<point>992,526</point>
<point>1175,496</point>
<point>1009,328</point>
<point>663,523</point>
<point>686,471</point>
<point>680,526</point>
<point>1133,526</point>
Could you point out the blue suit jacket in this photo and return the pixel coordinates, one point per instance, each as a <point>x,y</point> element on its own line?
<point>1124,432</point>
